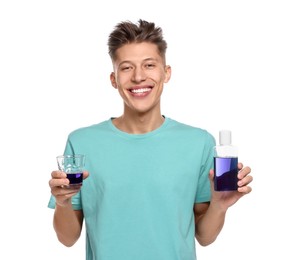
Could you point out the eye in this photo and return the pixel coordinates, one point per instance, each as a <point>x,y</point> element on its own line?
<point>126,68</point>
<point>150,65</point>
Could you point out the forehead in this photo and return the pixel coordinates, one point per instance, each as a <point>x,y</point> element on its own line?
<point>137,51</point>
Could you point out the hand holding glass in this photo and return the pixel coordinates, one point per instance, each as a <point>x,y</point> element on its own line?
<point>73,166</point>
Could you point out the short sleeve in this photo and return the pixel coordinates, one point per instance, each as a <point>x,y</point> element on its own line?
<point>203,190</point>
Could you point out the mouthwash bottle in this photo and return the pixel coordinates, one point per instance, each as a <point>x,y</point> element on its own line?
<point>225,163</point>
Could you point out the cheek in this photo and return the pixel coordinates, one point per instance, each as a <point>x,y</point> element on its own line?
<point>156,76</point>
<point>162,76</point>
<point>122,80</point>
<point>123,92</point>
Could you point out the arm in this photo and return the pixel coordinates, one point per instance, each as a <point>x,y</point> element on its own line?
<point>210,217</point>
<point>209,222</point>
<point>67,222</point>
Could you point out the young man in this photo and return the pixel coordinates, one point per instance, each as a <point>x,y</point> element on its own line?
<point>148,190</point>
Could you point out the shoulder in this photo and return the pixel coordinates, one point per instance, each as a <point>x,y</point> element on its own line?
<point>194,132</point>
<point>89,130</point>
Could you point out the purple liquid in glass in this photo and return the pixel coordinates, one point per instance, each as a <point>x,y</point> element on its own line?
<point>75,178</point>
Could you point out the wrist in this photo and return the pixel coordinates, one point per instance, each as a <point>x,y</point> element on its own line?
<point>217,207</point>
<point>63,204</point>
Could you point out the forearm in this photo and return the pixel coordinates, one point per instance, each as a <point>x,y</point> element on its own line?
<point>67,224</point>
<point>210,225</point>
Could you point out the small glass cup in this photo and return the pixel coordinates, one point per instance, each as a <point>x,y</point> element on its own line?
<point>73,166</point>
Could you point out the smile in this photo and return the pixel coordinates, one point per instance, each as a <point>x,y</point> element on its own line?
<point>140,92</point>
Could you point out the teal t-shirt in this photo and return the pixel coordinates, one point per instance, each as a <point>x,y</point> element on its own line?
<point>138,199</point>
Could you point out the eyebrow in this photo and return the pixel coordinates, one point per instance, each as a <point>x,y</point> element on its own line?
<point>147,59</point>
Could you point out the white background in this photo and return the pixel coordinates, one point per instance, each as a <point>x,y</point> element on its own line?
<point>233,67</point>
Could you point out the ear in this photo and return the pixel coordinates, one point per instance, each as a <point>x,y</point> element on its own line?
<point>167,73</point>
<point>113,80</point>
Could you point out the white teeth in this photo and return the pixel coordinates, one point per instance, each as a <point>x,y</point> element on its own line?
<point>140,90</point>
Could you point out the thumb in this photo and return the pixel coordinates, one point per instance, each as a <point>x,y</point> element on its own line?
<point>211,175</point>
<point>85,174</point>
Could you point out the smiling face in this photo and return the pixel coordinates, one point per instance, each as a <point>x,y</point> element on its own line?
<point>139,75</point>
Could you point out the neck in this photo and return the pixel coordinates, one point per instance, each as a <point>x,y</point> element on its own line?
<point>138,123</point>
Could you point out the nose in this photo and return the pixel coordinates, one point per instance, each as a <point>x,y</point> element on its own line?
<point>139,75</point>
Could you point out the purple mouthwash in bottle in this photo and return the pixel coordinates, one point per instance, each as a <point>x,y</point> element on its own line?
<point>225,163</point>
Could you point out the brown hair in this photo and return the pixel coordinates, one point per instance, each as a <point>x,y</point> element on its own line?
<point>128,32</point>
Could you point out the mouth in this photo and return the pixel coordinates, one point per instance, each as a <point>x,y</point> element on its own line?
<point>140,91</point>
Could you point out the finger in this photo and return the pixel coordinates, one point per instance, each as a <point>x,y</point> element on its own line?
<point>71,187</point>
<point>240,165</point>
<point>66,191</point>
<point>211,175</point>
<point>244,172</point>
<point>245,181</point>
<point>85,174</point>
<point>58,174</point>
<point>245,189</point>
<point>58,182</point>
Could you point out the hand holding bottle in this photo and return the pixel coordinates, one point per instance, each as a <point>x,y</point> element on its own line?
<point>229,179</point>
<point>225,199</point>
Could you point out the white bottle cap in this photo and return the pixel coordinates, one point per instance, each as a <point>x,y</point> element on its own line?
<point>225,137</point>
